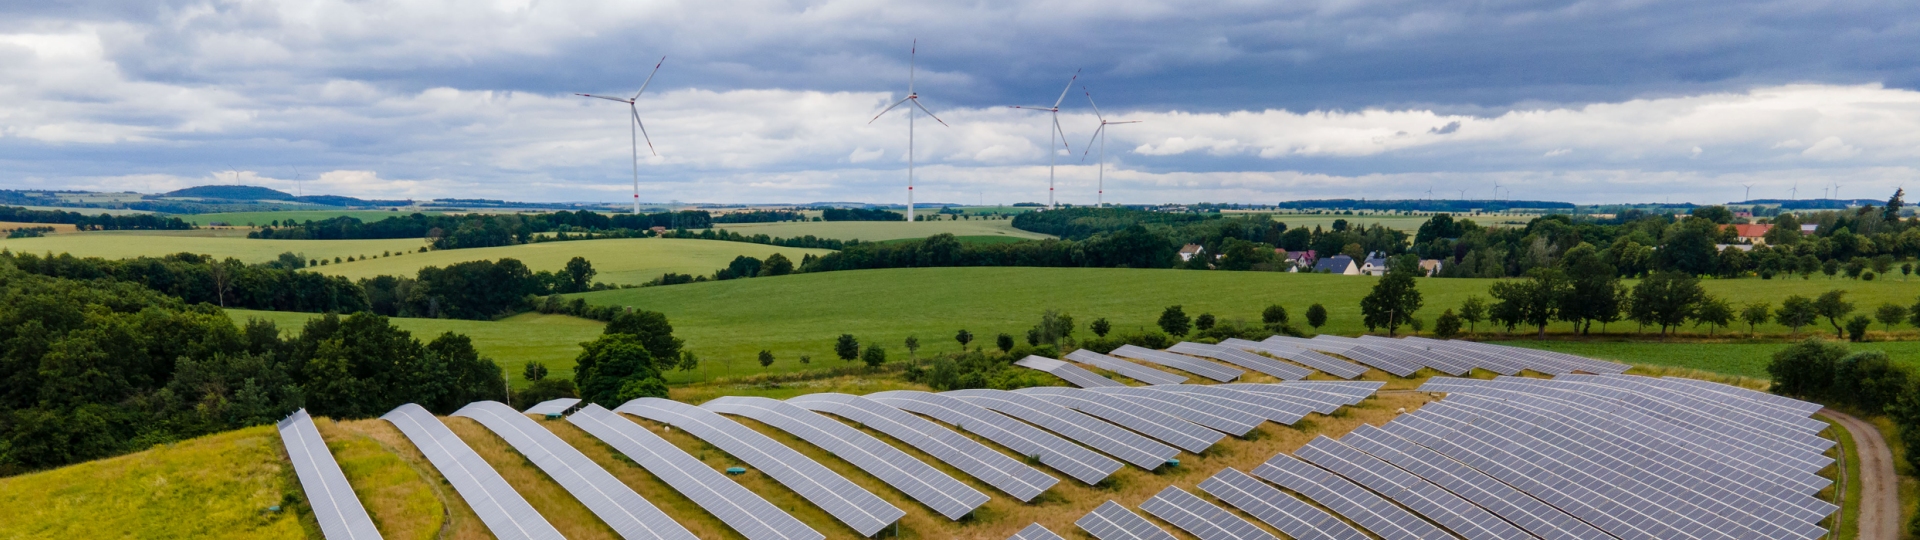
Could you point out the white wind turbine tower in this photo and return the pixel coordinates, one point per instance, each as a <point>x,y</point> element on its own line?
<point>633,110</point>
<point>1749,192</point>
<point>915,98</point>
<point>1055,135</point>
<point>1101,134</point>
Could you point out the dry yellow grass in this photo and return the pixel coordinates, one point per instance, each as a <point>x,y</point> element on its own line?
<point>400,498</point>
<point>456,520</point>
<point>553,502</point>
<point>58,228</point>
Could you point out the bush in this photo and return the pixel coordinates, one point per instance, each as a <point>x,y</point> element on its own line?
<point>1805,369</point>
<point>542,390</point>
<point>1857,327</point>
<point>975,369</point>
<point>874,356</point>
<point>1869,381</point>
<point>1004,342</point>
<point>1150,340</point>
<point>1447,326</point>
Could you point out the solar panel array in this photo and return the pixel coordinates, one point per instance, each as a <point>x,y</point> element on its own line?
<point>1209,414</point>
<point>1185,363</point>
<point>505,513</point>
<point>1269,406</point>
<point>607,497</point>
<point>1411,491</point>
<point>1549,362</point>
<point>329,495</point>
<point>1120,443</point>
<point>1146,420</point>
<point>1201,518</point>
<point>552,406</point>
<point>1306,357</point>
<point>1389,349</point>
<point>1128,369</point>
<point>994,468</point>
<point>1361,354</point>
<point>1076,375</point>
<point>1035,532</point>
<point>1274,507</point>
<point>1076,461</point>
<point>943,493</point>
<point>1356,503</point>
<point>1269,366</point>
<point>853,505</point>
<point>1114,522</point>
<point>741,509</point>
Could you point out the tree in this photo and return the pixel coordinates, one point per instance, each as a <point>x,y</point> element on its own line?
<point>1535,301</point>
<point>1100,327</point>
<point>1174,321</point>
<point>776,265</point>
<point>846,347</point>
<point>874,356</point>
<point>1316,316</point>
<point>534,371</point>
<point>806,359</point>
<point>1447,325</point>
<point>964,337</point>
<point>1274,315</point>
<point>1004,342</point>
<point>1830,267</point>
<point>1797,311</point>
<point>913,346</point>
<point>1473,310</point>
<point>1204,322</point>
<point>1688,248</point>
<point>1834,306</point>
<point>613,369</point>
<point>1906,269</point>
<point>689,361</point>
<point>1754,315</point>
<point>1890,314</point>
<point>1891,213</point>
<point>653,330</point>
<point>1592,284</point>
<point>1806,369</point>
<point>1394,298</point>
<point>1713,312</point>
<point>766,358</point>
<point>579,274</point>
<point>1054,328</point>
<point>1666,299</point>
<point>1857,327</point>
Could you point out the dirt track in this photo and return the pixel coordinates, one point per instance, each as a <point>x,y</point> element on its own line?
<point>1879,485</point>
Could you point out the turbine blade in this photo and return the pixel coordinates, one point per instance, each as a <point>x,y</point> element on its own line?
<point>1063,134</point>
<point>656,70</point>
<point>1096,136</point>
<point>1063,91</point>
<point>883,112</point>
<point>1031,107</point>
<point>1096,106</point>
<point>1126,122</point>
<point>605,98</point>
<point>913,54</point>
<point>643,129</point>
<point>923,108</point>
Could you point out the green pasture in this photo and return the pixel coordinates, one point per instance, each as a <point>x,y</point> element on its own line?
<point>874,231</point>
<point>242,219</point>
<point>629,261</point>
<point>553,340</point>
<point>219,243</point>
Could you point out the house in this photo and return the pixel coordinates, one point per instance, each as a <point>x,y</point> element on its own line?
<point>1300,260</point>
<point>1752,233</point>
<point>1337,264</point>
<point>1187,252</point>
<point>657,229</point>
<point>1376,264</point>
<point>1430,267</point>
<point>1808,228</point>
<point>1741,247</point>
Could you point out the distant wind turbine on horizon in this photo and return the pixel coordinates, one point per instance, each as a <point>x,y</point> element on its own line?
<point>1100,134</point>
<point>633,110</point>
<point>1054,134</point>
<point>1749,192</point>
<point>914,97</point>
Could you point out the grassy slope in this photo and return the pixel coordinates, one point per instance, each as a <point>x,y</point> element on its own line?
<point>620,261</point>
<point>401,499</point>
<point>512,342</point>
<point>218,486</point>
<point>262,218</point>
<point>118,245</point>
<point>874,231</point>
<point>801,314</point>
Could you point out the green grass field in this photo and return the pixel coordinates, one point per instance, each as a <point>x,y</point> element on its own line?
<point>1745,359</point>
<point>121,245</point>
<point>511,342</point>
<point>242,219</point>
<point>619,261</point>
<point>874,231</point>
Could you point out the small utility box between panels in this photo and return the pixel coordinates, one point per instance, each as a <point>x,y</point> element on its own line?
<point>736,471</point>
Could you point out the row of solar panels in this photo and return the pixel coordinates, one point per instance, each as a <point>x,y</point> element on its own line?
<point>1086,434</point>
<point>1232,358</point>
<point>1610,456</point>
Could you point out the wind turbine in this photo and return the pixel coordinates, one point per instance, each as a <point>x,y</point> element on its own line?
<point>1055,134</point>
<point>634,111</point>
<point>1463,194</point>
<point>1795,192</point>
<point>915,98</point>
<point>1101,134</point>
<point>1836,193</point>
<point>1496,189</point>
<point>1749,192</point>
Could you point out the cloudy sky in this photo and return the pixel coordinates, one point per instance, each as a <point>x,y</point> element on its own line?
<point>769,101</point>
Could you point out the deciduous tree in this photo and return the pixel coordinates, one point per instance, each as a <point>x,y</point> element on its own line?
<point>1395,297</point>
<point>1316,316</point>
<point>846,347</point>
<point>1174,321</point>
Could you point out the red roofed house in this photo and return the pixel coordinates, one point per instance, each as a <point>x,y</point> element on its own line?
<point>1752,233</point>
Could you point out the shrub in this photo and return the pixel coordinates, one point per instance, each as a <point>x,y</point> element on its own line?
<point>1447,325</point>
<point>1857,327</point>
<point>874,356</point>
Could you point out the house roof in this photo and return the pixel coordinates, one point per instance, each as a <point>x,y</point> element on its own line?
<point>1336,263</point>
<point>1190,248</point>
<point>1750,230</point>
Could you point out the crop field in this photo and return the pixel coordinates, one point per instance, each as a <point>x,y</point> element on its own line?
<point>242,219</point>
<point>630,261</point>
<point>553,340</point>
<point>874,231</point>
<point>220,243</point>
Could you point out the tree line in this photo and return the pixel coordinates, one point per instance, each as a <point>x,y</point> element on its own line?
<point>1864,382</point>
<point>478,230</point>
<point>860,214</point>
<point>102,222</point>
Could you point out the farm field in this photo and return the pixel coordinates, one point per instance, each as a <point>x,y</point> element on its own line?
<point>628,261</point>
<point>874,231</point>
<point>219,243</point>
<point>242,219</point>
<point>511,342</point>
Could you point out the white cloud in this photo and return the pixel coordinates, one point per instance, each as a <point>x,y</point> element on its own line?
<point>1829,149</point>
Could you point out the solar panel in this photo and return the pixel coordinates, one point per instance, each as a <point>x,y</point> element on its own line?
<point>1085,465</point>
<point>1313,400</point>
<point>1723,395</point>
<point>741,509</point>
<point>1388,349</point>
<point>1359,354</point>
<point>1153,423</point>
<point>329,495</point>
<point>1356,391</point>
<point>1243,359</point>
<point>1270,406</point>
<point>1803,446</point>
<point>1035,532</point>
<point>616,504</point>
<point>504,512</point>
<point>1327,364</point>
<point>1077,375</point>
<point>1761,419</point>
<point>1440,359</point>
<point>1189,364</point>
<point>1504,364</point>
<point>1291,515</point>
<point>1202,519</point>
<point>1763,397</point>
<point>846,501</point>
<point>1114,522</point>
<point>1362,506</point>
<point>1447,509</point>
<point>1191,408</point>
<point>1536,517</point>
<point>942,493</point>
<point>552,406</point>
<point>1126,445</point>
<point>994,468</point>
<point>1128,369</point>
